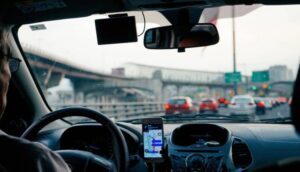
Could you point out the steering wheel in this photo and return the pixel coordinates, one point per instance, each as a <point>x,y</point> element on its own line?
<point>83,160</point>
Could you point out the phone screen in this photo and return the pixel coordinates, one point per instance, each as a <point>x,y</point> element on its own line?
<point>153,139</point>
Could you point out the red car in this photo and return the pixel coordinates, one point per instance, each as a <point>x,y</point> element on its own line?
<point>223,102</point>
<point>282,100</point>
<point>180,105</point>
<point>290,101</point>
<point>208,105</point>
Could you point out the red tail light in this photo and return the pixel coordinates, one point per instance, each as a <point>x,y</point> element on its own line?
<point>167,106</point>
<point>260,104</point>
<point>186,106</point>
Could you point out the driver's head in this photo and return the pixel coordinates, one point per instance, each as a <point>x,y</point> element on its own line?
<point>188,41</point>
<point>4,67</point>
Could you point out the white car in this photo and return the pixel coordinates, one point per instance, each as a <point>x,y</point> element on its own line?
<point>268,103</point>
<point>242,105</point>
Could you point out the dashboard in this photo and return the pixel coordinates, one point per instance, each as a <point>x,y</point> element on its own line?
<point>188,147</point>
<point>85,138</point>
<point>203,147</point>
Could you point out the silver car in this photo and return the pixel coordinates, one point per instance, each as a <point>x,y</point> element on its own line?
<point>242,105</point>
<point>268,102</point>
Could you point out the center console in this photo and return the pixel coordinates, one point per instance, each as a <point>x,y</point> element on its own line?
<point>199,147</point>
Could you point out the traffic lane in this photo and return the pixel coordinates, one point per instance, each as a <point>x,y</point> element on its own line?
<point>281,111</point>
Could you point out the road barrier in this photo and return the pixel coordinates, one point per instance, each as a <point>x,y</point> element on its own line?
<point>120,111</point>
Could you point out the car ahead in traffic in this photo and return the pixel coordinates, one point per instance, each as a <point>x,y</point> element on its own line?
<point>268,103</point>
<point>180,105</point>
<point>223,102</point>
<point>243,105</point>
<point>275,102</point>
<point>282,100</point>
<point>290,101</point>
<point>208,105</point>
<point>260,105</point>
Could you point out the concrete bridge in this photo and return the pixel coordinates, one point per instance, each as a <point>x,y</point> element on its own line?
<point>52,70</point>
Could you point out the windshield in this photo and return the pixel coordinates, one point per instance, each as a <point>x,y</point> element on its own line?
<point>207,101</point>
<point>177,101</point>
<point>256,58</point>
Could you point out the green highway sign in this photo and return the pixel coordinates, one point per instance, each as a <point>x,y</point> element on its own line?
<point>260,76</point>
<point>254,88</point>
<point>231,77</point>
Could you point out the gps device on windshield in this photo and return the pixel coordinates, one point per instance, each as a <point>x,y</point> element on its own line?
<point>116,30</point>
<point>153,139</point>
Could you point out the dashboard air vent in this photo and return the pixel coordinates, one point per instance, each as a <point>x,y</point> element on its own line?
<point>241,154</point>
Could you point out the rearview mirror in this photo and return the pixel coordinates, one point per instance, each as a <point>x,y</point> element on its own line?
<point>171,37</point>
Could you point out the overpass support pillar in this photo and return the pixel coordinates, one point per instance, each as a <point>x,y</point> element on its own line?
<point>79,97</point>
<point>224,92</point>
<point>157,87</point>
<point>177,90</point>
<point>209,91</point>
<point>165,95</point>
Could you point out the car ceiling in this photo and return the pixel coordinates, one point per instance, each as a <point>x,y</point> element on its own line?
<point>31,11</point>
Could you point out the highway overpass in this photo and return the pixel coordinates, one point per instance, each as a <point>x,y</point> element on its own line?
<point>50,70</point>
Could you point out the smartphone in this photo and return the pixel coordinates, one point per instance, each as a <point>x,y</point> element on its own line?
<point>153,139</point>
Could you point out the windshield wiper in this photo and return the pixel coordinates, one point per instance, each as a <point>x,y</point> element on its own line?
<point>214,116</point>
<point>196,117</point>
<point>283,120</point>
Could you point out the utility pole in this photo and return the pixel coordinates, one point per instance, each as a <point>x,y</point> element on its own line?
<point>234,51</point>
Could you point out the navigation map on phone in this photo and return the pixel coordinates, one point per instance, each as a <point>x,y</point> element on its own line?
<point>153,141</point>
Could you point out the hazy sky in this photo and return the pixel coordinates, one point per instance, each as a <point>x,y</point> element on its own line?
<point>266,36</point>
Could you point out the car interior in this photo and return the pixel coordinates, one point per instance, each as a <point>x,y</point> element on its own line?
<point>98,137</point>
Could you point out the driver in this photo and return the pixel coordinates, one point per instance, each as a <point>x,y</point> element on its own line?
<point>195,39</point>
<point>19,154</point>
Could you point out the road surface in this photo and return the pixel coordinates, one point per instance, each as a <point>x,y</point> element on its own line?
<point>281,111</point>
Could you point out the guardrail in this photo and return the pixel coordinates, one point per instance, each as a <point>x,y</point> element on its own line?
<point>120,111</point>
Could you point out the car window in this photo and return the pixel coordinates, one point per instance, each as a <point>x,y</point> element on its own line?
<point>207,101</point>
<point>258,99</point>
<point>257,56</point>
<point>177,101</point>
<point>242,100</point>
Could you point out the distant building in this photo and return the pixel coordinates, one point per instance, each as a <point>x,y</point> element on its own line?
<point>291,75</point>
<point>118,71</point>
<point>280,73</point>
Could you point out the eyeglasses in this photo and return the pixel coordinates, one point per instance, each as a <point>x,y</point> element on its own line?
<point>14,64</point>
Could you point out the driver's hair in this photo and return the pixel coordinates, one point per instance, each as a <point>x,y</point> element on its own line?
<point>4,43</point>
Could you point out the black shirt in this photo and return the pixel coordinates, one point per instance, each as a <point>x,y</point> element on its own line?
<point>22,155</point>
